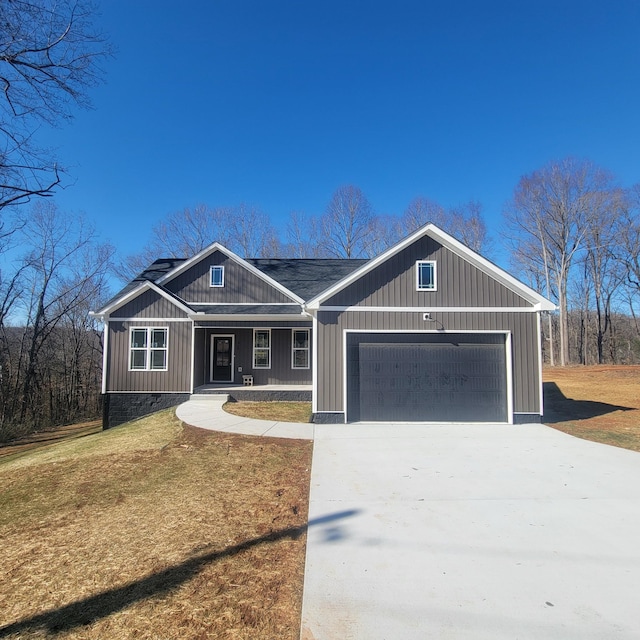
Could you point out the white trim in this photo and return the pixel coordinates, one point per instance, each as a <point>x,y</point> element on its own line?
<point>216,246</point>
<point>211,268</point>
<point>193,355</point>
<point>105,351</point>
<point>233,327</point>
<point>433,264</point>
<point>508,347</point>
<point>134,293</point>
<point>342,308</point>
<point>453,245</point>
<point>186,393</point>
<point>233,356</point>
<point>165,320</point>
<point>541,392</point>
<point>253,348</point>
<point>314,365</point>
<point>148,349</point>
<point>243,304</point>
<point>247,317</point>
<point>508,361</point>
<point>294,348</point>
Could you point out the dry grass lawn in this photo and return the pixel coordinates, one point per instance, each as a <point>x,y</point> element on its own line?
<point>154,530</point>
<point>280,411</point>
<point>599,403</point>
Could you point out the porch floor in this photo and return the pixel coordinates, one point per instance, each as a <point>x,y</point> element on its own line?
<point>228,387</point>
<point>260,392</point>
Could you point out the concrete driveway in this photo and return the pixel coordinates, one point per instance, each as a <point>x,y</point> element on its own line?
<point>497,532</point>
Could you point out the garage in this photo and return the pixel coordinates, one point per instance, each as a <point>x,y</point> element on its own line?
<point>427,377</point>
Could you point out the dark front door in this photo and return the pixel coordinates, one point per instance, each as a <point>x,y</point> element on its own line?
<point>222,359</point>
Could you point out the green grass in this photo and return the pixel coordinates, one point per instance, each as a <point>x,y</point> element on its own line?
<point>277,411</point>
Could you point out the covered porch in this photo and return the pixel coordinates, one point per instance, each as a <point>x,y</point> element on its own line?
<point>253,359</point>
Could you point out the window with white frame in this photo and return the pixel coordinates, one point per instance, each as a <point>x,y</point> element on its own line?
<point>262,348</point>
<point>217,276</point>
<point>300,349</point>
<point>426,275</point>
<point>148,349</point>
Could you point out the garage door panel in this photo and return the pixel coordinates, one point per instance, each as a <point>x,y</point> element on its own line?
<point>426,381</point>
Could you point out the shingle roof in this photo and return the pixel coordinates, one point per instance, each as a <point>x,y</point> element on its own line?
<point>306,277</point>
<point>247,309</point>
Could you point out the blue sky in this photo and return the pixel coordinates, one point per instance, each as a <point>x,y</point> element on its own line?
<point>276,104</point>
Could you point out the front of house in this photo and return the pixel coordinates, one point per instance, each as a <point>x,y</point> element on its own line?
<point>429,331</point>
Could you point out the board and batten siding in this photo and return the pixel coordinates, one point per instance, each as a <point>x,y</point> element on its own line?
<point>523,327</point>
<point>459,283</point>
<point>240,285</point>
<point>149,304</point>
<point>281,371</point>
<point>177,378</point>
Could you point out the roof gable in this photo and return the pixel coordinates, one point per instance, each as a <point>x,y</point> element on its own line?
<point>130,294</point>
<point>446,241</point>
<point>285,295</point>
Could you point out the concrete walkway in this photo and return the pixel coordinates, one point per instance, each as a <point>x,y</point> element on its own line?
<point>205,411</point>
<point>471,532</point>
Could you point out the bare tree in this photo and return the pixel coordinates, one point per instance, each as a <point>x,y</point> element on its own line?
<point>49,58</point>
<point>606,274</point>
<point>629,254</point>
<point>464,222</point>
<point>346,226</point>
<point>244,229</point>
<point>302,236</point>
<point>547,222</point>
<point>62,273</point>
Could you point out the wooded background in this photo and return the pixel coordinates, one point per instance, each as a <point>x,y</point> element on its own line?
<point>570,230</point>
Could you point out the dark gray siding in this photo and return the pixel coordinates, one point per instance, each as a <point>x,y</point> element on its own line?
<point>459,284</point>
<point>522,325</point>
<point>280,372</point>
<point>178,377</point>
<point>149,305</point>
<point>240,286</point>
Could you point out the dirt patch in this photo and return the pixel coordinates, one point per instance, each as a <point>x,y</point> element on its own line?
<point>599,403</point>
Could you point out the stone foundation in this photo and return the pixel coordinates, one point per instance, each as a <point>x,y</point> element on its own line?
<point>119,408</point>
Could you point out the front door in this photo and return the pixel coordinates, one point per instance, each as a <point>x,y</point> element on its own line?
<point>221,358</point>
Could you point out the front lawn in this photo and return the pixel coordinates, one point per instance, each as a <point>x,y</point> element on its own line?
<point>154,530</point>
<point>276,411</point>
<point>599,403</point>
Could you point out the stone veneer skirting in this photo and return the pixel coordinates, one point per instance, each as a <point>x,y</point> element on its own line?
<point>119,408</point>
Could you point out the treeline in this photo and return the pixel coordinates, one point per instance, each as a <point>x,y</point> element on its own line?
<point>54,270</point>
<point>573,233</point>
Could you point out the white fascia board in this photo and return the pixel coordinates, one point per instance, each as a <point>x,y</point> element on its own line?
<point>453,245</point>
<point>134,293</point>
<point>490,268</point>
<point>341,309</point>
<point>216,246</point>
<point>249,317</point>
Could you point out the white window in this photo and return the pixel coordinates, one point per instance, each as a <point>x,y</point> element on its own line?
<point>300,349</point>
<point>217,276</point>
<point>148,349</point>
<point>426,275</point>
<point>262,348</point>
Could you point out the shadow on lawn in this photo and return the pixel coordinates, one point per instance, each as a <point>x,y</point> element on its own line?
<point>559,408</point>
<point>89,610</point>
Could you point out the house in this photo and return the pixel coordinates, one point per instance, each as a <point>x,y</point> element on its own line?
<point>428,331</point>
